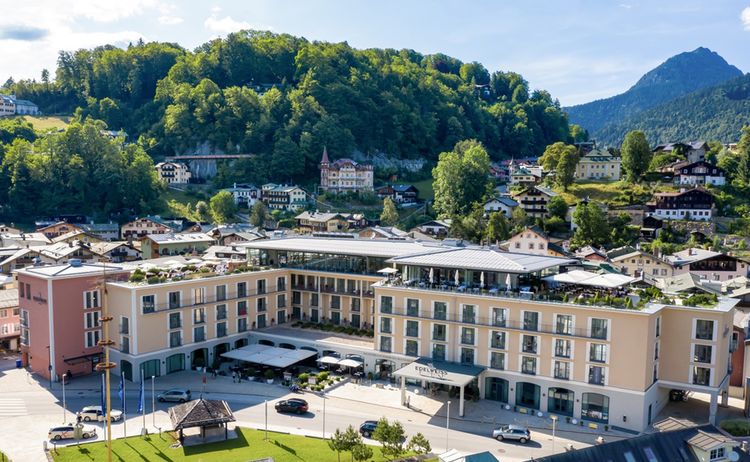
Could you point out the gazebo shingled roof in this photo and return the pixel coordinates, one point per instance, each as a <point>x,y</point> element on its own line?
<point>200,413</point>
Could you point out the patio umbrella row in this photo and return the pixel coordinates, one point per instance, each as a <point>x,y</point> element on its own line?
<point>348,362</point>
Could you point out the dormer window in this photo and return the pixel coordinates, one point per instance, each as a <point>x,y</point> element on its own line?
<point>717,454</point>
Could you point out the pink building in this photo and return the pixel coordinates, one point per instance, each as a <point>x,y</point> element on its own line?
<point>61,309</point>
<point>10,327</point>
<point>714,266</point>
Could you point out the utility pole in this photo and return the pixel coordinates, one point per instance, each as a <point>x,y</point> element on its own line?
<point>105,366</point>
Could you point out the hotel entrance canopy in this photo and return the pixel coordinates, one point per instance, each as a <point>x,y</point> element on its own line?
<point>443,372</point>
<point>268,355</point>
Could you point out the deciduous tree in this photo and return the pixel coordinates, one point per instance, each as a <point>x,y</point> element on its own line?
<point>389,216</point>
<point>636,155</point>
<point>461,178</point>
<point>223,207</point>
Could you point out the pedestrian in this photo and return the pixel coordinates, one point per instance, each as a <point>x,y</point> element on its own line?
<point>78,418</point>
<point>215,373</point>
<point>234,377</point>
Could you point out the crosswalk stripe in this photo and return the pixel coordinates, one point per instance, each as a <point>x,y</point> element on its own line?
<point>12,407</point>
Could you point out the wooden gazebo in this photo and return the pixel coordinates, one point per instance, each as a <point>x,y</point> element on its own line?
<point>201,413</point>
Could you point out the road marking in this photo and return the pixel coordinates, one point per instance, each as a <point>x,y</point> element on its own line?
<point>12,407</point>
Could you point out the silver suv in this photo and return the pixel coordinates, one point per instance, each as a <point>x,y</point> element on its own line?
<point>179,395</point>
<point>512,432</point>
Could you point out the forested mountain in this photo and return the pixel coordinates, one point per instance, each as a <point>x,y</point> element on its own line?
<point>284,98</point>
<point>717,113</point>
<point>677,76</point>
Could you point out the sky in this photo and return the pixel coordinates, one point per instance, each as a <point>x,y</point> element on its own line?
<point>578,50</point>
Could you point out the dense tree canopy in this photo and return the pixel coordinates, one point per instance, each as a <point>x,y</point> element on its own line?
<point>636,155</point>
<point>460,179</point>
<point>284,98</point>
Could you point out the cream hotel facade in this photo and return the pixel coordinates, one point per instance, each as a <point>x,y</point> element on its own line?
<point>499,325</point>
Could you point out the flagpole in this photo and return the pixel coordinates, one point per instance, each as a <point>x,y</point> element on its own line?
<point>124,409</point>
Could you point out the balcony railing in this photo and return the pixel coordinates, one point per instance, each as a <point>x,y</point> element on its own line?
<point>192,303</point>
<point>332,290</point>
<point>487,321</point>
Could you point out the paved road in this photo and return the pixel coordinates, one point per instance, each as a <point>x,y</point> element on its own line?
<point>29,410</point>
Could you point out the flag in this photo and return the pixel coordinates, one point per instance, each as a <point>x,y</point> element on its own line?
<point>141,406</point>
<point>104,400</point>
<point>121,392</point>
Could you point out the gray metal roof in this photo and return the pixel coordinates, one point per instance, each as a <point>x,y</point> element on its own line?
<point>361,247</point>
<point>482,259</point>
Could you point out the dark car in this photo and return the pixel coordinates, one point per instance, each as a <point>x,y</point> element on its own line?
<point>368,428</point>
<point>293,406</point>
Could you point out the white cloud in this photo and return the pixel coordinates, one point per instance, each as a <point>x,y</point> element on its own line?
<point>626,6</point>
<point>745,17</point>
<point>225,25</point>
<point>169,20</point>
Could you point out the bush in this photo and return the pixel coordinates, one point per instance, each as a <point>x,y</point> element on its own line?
<point>137,277</point>
<point>154,280</point>
<point>303,377</point>
<point>270,374</point>
<point>322,376</point>
<point>736,427</point>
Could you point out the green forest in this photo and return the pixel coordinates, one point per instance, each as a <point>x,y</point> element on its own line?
<point>284,98</point>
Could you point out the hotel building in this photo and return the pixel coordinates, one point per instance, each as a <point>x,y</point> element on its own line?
<point>481,322</point>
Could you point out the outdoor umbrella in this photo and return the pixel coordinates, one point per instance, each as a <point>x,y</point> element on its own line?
<point>507,283</point>
<point>481,280</point>
<point>432,276</point>
<point>458,281</point>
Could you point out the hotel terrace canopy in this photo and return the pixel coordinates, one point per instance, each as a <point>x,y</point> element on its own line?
<point>268,356</point>
<point>587,278</point>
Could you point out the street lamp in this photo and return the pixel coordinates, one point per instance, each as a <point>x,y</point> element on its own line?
<point>49,368</point>
<point>554,422</point>
<point>447,425</point>
<point>324,417</point>
<point>65,407</point>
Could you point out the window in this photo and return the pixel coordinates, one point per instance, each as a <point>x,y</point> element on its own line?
<point>385,344</point>
<point>562,348</point>
<point>260,305</point>
<point>296,298</point>
<point>221,312</point>
<point>242,308</point>
<point>469,314</point>
<point>467,336</point>
<point>241,289</point>
<point>175,320</point>
<point>530,320</point>
<point>241,324</point>
<point>658,326</point>
<point>702,354</point>
<point>92,319</point>
<point>221,329</point>
<point>21,292</point>
<point>261,321</point>
<point>701,376</point>
<point>174,300</point>
<point>439,332</point>
<point>529,344</point>
<point>412,307</point>
<point>497,360</point>
<point>467,356</point>
<point>314,300</point>
<point>199,315</point>
<point>562,370</point>
<point>499,317</point>
<point>148,303</point>
<point>497,340</point>
<point>656,351</point>
<point>704,329</point>
<point>564,324</point>
<point>528,365</point>
<point>599,328</point>
<point>281,301</point>
<point>386,304</point>
<point>221,293</point>
<point>385,325</point>
<point>717,454</point>
<point>355,304</point>
<point>28,291</point>
<point>260,286</point>
<point>281,283</point>
<point>595,406</point>
<point>91,299</point>
<point>335,302</point>
<point>598,352</point>
<point>596,375</point>
<point>438,352</point>
<point>92,338</point>
<point>125,345</point>
<point>412,329</point>
<point>199,334</point>
<point>412,348</point>
<point>441,310</point>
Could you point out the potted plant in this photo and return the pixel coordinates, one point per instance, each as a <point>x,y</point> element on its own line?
<point>269,376</point>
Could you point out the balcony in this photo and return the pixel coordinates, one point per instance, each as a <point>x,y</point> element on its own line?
<point>195,303</point>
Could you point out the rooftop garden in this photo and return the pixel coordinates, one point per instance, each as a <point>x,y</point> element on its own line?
<point>330,327</point>
<point>158,275</point>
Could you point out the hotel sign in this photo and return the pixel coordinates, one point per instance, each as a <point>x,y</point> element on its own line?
<point>431,372</point>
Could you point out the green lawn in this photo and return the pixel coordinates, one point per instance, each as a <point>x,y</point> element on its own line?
<point>45,123</point>
<point>425,189</point>
<point>249,445</point>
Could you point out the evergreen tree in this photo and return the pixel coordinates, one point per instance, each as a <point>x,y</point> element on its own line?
<point>389,216</point>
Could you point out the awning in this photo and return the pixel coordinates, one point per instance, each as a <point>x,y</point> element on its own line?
<point>268,355</point>
<point>444,372</point>
<point>96,357</point>
<point>389,270</point>
<point>350,363</point>
<point>328,360</point>
<point>587,278</point>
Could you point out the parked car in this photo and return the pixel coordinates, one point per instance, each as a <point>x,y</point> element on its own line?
<point>512,432</point>
<point>368,428</point>
<point>89,413</point>
<point>65,432</point>
<point>178,395</point>
<point>294,406</point>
